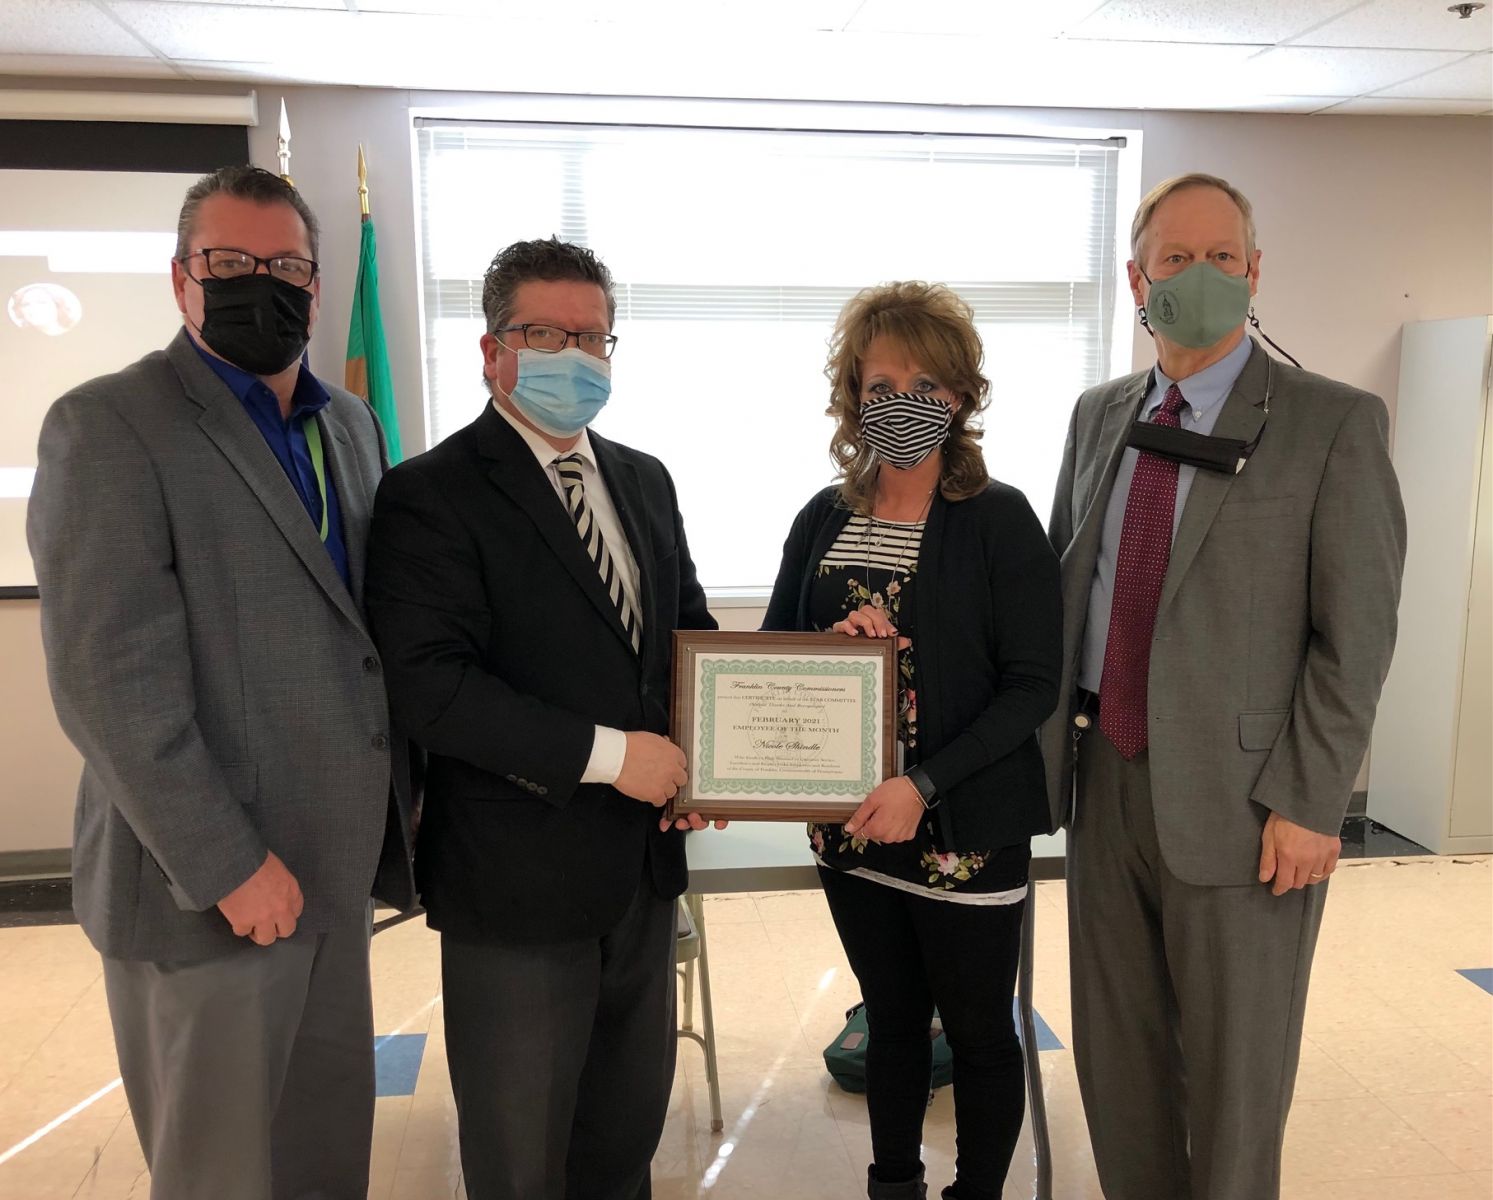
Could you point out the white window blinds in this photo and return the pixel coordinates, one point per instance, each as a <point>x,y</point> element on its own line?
<point>733,252</point>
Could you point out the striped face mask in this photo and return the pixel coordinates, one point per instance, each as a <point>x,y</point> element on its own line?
<point>905,427</point>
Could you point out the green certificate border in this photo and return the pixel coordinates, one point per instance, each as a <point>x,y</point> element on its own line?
<point>707,784</point>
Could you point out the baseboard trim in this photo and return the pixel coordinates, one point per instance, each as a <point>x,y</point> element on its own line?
<point>1044,869</point>
<point>36,864</point>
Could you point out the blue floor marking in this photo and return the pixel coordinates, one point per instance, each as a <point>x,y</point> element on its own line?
<point>396,1063</point>
<point>1046,1039</point>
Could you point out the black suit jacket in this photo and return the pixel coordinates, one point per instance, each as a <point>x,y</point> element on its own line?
<point>988,645</point>
<point>503,652</point>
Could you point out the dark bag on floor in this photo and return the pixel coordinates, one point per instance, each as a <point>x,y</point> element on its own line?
<point>846,1055</point>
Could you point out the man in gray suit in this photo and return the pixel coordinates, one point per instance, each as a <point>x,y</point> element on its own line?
<point>1227,630</point>
<point>198,525</point>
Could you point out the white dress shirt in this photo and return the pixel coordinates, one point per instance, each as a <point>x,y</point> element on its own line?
<point>610,747</point>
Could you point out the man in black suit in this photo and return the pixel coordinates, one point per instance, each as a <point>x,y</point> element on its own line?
<point>525,577</point>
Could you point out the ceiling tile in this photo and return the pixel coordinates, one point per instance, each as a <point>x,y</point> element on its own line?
<point>777,14</point>
<point>339,5</point>
<point>1285,104</point>
<point>1001,18</point>
<point>1370,106</point>
<point>201,68</point>
<point>66,27</point>
<point>446,8</point>
<point>1470,79</point>
<point>247,34</point>
<point>1320,71</point>
<point>1257,22</point>
<point>1424,25</point>
<point>806,67</point>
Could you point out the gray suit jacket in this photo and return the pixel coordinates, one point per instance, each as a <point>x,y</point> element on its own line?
<point>208,661</point>
<point>1277,617</point>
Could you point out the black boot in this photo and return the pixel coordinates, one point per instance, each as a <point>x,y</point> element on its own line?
<point>909,1189</point>
<point>952,1192</point>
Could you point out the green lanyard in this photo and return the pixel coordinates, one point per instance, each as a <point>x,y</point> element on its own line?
<point>318,464</point>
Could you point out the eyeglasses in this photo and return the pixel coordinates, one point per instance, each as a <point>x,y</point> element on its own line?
<point>551,339</point>
<point>225,263</point>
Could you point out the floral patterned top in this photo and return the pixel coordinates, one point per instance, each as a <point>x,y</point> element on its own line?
<point>875,562</point>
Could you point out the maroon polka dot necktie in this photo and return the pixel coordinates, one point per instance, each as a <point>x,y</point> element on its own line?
<point>1140,569</point>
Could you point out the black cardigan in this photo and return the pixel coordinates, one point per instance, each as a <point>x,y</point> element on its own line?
<point>989,649</point>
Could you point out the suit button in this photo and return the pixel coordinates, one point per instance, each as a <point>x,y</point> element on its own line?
<point>643,690</point>
<point>522,782</point>
<point>380,742</point>
<point>543,791</point>
<point>370,664</point>
<point>512,778</point>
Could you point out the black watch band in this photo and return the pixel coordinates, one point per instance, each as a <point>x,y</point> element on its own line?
<point>926,791</point>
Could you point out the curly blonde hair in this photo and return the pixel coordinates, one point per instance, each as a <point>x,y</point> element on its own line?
<point>936,330</point>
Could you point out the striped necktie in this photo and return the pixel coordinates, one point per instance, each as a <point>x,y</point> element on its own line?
<point>569,468</point>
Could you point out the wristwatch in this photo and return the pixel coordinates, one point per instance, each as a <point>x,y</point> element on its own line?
<point>927,793</point>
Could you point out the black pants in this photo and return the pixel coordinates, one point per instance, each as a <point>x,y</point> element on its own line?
<point>562,1058</point>
<point>910,953</point>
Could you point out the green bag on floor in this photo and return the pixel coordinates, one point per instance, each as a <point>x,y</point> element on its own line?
<point>846,1055</point>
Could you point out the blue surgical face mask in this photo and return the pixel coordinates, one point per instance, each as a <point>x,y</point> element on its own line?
<point>561,393</point>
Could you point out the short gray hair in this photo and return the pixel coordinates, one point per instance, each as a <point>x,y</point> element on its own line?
<point>245,183</point>
<point>1180,183</point>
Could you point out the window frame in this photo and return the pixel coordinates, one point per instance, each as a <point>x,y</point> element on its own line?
<point>801,116</point>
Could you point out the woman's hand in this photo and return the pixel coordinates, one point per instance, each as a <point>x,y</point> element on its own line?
<point>891,813</point>
<point>690,823</point>
<point>870,621</point>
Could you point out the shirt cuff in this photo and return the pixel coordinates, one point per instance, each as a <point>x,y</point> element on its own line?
<point>608,751</point>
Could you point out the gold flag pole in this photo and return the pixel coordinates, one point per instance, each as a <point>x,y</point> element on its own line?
<point>362,181</point>
<point>282,149</point>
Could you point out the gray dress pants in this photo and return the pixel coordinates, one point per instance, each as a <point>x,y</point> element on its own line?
<point>250,1076</point>
<point>1187,1002</point>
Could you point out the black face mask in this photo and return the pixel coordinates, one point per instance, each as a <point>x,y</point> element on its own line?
<point>257,322</point>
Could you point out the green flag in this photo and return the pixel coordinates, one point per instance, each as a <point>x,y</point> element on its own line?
<point>367,355</point>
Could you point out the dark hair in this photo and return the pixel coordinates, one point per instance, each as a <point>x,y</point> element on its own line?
<point>936,330</point>
<point>548,259</point>
<point>245,183</point>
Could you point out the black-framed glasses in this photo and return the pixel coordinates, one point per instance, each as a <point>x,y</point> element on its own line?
<point>551,339</point>
<point>224,262</point>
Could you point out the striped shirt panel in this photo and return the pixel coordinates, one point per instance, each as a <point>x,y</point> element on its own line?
<point>885,545</point>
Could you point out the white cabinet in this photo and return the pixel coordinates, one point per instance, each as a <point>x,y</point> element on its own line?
<point>1431,774</point>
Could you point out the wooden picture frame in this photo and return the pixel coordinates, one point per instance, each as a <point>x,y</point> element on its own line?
<point>782,726</point>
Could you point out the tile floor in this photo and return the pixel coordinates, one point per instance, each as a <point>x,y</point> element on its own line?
<point>1394,1098</point>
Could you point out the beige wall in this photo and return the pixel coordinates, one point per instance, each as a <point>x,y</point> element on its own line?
<point>1366,223</point>
<point>38,765</point>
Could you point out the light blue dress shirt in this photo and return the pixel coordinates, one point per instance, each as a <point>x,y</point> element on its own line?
<point>1204,394</point>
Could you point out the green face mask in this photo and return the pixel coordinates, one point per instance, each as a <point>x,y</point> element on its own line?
<point>1198,307</point>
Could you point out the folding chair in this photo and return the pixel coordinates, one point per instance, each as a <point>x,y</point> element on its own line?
<point>689,954</point>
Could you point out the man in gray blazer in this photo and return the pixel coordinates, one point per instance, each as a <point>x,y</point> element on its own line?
<point>198,526</point>
<point>1227,630</point>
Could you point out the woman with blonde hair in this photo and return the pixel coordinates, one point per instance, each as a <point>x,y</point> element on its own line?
<point>926,881</point>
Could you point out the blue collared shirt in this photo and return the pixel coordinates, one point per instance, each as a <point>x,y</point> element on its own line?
<point>1204,394</point>
<point>287,441</point>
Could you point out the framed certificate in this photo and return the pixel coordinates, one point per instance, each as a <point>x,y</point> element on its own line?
<point>782,726</point>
